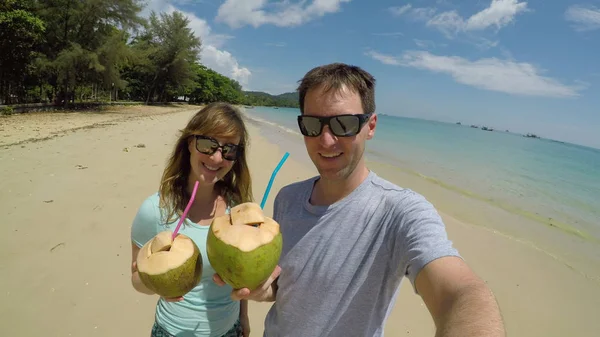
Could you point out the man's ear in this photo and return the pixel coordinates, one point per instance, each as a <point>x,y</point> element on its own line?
<point>371,124</point>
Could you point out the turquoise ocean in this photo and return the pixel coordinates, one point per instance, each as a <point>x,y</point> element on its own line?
<point>545,180</point>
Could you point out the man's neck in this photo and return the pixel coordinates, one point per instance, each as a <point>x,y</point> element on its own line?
<point>327,192</point>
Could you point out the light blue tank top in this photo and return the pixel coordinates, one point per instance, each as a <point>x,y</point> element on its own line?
<point>207,310</point>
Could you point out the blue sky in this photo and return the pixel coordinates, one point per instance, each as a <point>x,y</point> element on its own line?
<point>527,66</point>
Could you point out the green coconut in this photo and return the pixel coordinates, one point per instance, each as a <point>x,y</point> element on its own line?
<point>170,268</point>
<point>244,247</point>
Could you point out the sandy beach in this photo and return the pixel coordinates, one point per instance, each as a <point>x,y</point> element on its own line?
<point>71,185</point>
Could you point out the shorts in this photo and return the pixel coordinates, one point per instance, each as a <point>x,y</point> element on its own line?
<point>158,331</point>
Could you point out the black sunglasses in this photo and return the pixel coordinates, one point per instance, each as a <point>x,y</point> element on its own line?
<point>209,145</point>
<point>340,125</point>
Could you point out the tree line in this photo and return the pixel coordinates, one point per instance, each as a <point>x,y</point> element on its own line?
<point>67,51</point>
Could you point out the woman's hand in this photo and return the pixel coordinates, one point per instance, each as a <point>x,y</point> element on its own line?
<point>139,286</point>
<point>137,282</point>
<point>245,323</point>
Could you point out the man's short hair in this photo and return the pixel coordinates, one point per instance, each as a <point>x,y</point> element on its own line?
<point>336,76</point>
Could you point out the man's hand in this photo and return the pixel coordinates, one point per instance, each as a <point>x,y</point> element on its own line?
<point>265,292</point>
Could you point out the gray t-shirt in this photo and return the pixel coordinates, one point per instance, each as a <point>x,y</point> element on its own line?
<point>342,264</point>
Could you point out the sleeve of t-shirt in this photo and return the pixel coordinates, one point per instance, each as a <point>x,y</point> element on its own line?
<point>277,203</point>
<point>145,222</point>
<point>423,237</point>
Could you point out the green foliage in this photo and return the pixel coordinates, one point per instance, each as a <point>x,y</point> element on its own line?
<point>6,110</point>
<point>20,32</point>
<point>167,51</point>
<point>65,51</point>
<point>258,98</point>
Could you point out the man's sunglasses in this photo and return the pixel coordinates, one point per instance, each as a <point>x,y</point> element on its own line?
<point>209,145</point>
<point>340,125</point>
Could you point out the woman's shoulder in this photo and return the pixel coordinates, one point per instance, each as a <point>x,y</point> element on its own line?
<point>150,207</point>
<point>147,220</point>
<point>151,201</point>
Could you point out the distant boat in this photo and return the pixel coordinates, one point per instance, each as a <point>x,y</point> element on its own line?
<point>485,128</point>
<point>531,135</point>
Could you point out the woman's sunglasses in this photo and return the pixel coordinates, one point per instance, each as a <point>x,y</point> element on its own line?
<point>340,125</point>
<point>209,145</point>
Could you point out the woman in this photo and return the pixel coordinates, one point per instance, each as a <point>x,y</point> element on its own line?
<point>211,150</point>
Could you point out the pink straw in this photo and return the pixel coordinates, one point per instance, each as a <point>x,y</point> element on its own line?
<point>185,212</point>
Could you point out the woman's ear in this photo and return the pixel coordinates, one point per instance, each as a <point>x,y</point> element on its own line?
<point>191,144</point>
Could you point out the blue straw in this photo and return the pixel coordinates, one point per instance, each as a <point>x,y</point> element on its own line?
<point>264,200</point>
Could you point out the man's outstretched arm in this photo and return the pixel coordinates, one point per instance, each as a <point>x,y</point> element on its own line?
<point>460,302</point>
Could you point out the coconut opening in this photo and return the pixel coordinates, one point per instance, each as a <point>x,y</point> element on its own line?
<point>161,254</point>
<point>246,236</point>
<point>163,249</point>
<point>247,213</point>
<point>161,242</point>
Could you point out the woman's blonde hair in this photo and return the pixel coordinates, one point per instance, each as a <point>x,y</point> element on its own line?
<point>217,120</point>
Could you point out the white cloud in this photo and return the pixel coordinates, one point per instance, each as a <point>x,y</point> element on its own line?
<point>449,23</point>
<point>425,44</point>
<point>498,14</point>
<point>202,29</point>
<point>211,54</point>
<point>507,76</point>
<point>390,34</point>
<point>584,18</point>
<point>398,11</point>
<point>275,44</point>
<point>385,59</point>
<point>223,62</point>
<point>237,13</point>
<point>156,6</point>
<point>190,2</point>
<point>422,13</point>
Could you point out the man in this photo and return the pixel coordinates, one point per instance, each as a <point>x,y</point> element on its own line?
<point>351,236</point>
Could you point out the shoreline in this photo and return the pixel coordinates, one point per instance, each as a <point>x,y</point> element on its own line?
<point>573,216</point>
<point>558,242</point>
<point>515,210</point>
